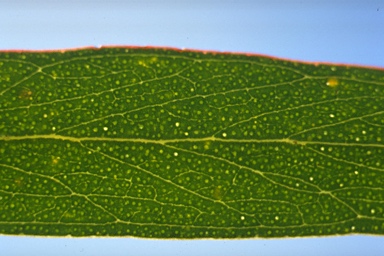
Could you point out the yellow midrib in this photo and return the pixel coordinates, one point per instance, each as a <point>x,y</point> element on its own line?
<point>167,141</point>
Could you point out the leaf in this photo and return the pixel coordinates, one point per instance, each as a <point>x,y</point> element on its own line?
<point>161,143</point>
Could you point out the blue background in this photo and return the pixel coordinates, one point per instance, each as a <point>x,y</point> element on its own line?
<point>338,31</point>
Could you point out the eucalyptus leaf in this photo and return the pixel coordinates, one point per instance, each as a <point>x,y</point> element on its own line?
<point>163,143</point>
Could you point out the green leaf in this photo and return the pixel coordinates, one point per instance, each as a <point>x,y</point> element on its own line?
<point>161,143</point>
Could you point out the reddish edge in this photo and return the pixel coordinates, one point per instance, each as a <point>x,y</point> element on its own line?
<point>316,63</point>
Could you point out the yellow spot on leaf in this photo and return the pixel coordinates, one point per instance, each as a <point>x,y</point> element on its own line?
<point>332,82</point>
<point>217,193</point>
<point>25,94</point>
<point>55,160</point>
<point>142,63</point>
<point>153,59</point>
<point>19,182</point>
<point>147,62</point>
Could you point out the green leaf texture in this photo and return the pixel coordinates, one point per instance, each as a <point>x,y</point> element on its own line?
<point>160,143</point>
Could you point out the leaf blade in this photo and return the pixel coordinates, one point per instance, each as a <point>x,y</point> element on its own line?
<point>161,143</point>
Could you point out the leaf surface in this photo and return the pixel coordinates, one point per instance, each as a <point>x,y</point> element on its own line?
<point>160,143</point>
